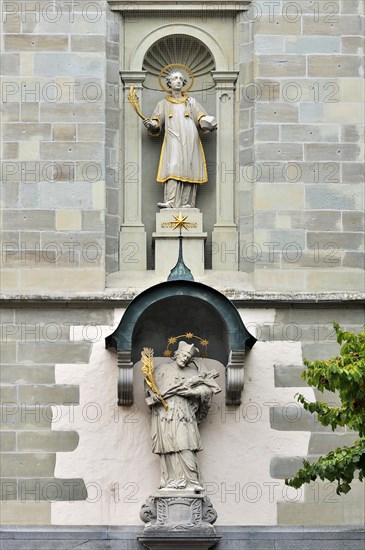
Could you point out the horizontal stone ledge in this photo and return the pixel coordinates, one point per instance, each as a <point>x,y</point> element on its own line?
<point>172,5</point>
<point>240,297</point>
<point>246,532</point>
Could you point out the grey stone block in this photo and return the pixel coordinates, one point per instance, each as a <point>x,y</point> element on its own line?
<point>354,260</point>
<point>320,350</point>
<point>352,133</point>
<point>62,394</point>
<point>347,315</point>
<point>341,240</point>
<point>47,441</point>
<point>279,151</point>
<point>28,219</point>
<point>352,172</point>
<point>74,65</point>
<point>51,489</point>
<point>57,352</point>
<point>7,442</point>
<point>70,315</point>
<point>29,465</point>
<point>324,443</point>
<point>287,376</point>
<point>282,467</point>
<point>93,220</point>
<point>313,44</point>
<point>353,221</point>
<point>332,197</point>
<point>292,417</point>
<point>315,220</point>
<point>8,489</point>
<point>8,352</point>
<point>25,417</point>
<point>8,394</point>
<point>27,374</point>
<point>335,152</point>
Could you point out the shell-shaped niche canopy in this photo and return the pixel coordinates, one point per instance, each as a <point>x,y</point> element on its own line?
<point>185,50</point>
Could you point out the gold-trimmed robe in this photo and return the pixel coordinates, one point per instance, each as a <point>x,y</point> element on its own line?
<point>182,156</point>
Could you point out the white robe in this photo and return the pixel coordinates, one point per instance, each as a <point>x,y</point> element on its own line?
<point>182,156</point>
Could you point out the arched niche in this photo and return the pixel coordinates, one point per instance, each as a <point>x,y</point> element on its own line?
<point>137,204</point>
<point>203,36</point>
<point>174,308</point>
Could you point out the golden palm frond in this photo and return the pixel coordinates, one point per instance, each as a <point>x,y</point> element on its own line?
<point>147,370</point>
<point>133,99</point>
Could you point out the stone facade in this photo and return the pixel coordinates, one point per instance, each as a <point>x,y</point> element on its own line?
<point>68,452</point>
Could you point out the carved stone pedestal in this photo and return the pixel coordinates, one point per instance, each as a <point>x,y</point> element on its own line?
<point>178,520</point>
<point>166,241</point>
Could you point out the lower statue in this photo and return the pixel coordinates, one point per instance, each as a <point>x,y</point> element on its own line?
<point>182,394</point>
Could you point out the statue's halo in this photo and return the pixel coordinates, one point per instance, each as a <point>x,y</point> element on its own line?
<point>172,68</point>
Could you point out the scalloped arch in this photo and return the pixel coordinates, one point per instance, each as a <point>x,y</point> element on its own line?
<point>220,59</point>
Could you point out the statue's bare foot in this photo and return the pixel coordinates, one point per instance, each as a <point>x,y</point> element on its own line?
<point>164,205</point>
<point>198,488</point>
<point>187,206</point>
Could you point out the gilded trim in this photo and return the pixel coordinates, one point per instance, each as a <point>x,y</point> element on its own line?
<point>173,100</point>
<point>179,178</point>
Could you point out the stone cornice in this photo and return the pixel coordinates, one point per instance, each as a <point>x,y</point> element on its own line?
<point>180,5</point>
<point>239,297</point>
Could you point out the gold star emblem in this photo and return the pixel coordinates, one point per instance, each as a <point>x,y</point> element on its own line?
<point>189,335</point>
<point>204,342</point>
<point>172,340</point>
<point>180,221</point>
<point>167,353</point>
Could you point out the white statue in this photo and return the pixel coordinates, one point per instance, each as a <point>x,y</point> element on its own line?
<point>182,164</point>
<point>180,400</point>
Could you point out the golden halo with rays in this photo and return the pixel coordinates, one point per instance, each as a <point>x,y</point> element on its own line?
<point>172,68</point>
<point>188,336</point>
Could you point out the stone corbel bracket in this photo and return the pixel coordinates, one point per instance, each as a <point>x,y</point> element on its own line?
<point>125,378</point>
<point>235,377</point>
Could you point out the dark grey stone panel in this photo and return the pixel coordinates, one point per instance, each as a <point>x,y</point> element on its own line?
<point>282,467</point>
<point>289,376</point>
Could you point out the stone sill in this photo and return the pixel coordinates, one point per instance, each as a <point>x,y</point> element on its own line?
<point>246,532</point>
<point>122,297</point>
<point>213,6</point>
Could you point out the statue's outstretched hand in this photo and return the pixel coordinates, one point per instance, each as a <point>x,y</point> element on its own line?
<point>150,123</point>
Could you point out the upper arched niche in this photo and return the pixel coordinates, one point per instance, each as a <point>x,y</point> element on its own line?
<point>164,31</point>
<point>174,308</point>
<point>183,49</point>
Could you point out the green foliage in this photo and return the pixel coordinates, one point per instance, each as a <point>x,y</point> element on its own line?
<point>344,374</point>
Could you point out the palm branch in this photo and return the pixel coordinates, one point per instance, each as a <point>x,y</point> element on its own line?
<point>147,370</point>
<point>133,99</point>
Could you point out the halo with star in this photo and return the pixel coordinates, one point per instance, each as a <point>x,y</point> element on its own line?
<point>188,336</point>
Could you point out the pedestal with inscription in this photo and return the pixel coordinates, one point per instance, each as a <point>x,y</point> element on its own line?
<point>169,223</point>
<point>178,519</point>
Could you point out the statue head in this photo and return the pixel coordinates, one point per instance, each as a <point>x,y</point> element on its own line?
<point>176,81</point>
<point>184,353</point>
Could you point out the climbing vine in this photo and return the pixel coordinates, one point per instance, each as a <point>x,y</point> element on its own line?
<point>345,375</point>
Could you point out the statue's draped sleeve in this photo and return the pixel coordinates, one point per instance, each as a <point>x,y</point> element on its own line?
<point>159,116</point>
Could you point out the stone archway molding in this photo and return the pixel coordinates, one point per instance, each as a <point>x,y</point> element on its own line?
<point>240,340</point>
<point>218,55</point>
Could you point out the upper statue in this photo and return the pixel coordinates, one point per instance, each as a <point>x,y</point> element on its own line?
<point>182,165</point>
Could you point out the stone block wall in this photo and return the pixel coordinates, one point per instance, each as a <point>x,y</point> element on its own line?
<point>33,341</point>
<point>60,144</point>
<point>308,93</point>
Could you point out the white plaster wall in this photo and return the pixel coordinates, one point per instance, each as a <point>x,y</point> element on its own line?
<point>114,456</point>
